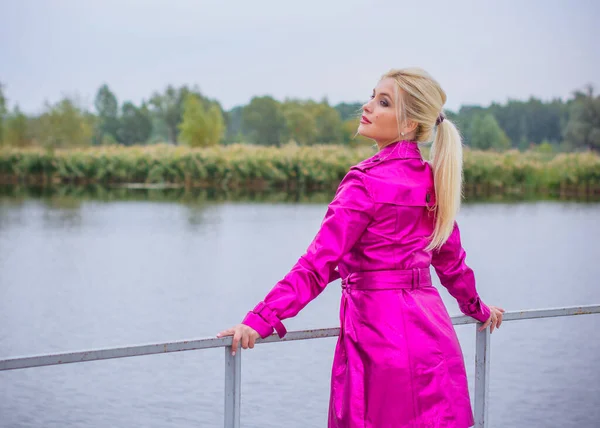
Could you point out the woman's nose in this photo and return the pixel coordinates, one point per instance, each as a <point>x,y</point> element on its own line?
<point>367,107</point>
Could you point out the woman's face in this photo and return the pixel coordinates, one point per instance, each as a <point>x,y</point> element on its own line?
<point>378,121</point>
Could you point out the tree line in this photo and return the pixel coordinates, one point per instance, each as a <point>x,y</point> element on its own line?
<point>183,115</point>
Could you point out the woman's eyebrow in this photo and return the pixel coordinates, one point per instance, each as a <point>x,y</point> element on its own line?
<point>382,93</point>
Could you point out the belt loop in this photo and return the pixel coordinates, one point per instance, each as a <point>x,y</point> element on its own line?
<point>416,278</point>
<point>346,281</point>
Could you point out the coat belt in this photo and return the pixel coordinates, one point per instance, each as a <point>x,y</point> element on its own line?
<point>388,279</point>
<point>380,280</point>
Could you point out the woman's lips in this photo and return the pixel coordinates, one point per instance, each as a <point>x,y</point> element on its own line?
<point>364,120</point>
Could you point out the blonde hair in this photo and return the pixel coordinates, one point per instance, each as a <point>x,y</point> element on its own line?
<point>420,98</point>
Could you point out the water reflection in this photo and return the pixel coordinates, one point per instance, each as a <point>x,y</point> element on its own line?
<point>63,204</point>
<point>69,197</point>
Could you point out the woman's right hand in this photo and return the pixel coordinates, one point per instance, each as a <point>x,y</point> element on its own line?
<point>494,320</point>
<point>241,333</point>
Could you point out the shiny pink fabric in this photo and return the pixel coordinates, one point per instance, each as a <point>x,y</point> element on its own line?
<point>397,362</point>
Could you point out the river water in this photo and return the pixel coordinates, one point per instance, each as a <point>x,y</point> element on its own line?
<point>81,274</point>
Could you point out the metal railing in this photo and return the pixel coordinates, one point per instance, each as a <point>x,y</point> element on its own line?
<point>233,364</point>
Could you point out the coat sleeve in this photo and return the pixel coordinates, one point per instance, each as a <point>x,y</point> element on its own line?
<point>346,218</point>
<point>458,278</point>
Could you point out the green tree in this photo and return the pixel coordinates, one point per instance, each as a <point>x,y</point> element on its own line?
<point>201,126</point>
<point>135,124</point>
<point>464,120</point>
<point>349,110</point>
<point>328,122</point>
<point>233,121</point>
<point>65,125</point>
<point>263,121</point>
<point>532,121</point>
<point>16,129</point>
<point>544,120</point>
<point>3,112</point>
<point>514,121</point>
<point>107,108</point>
<point>308,122</point>
<point>486,134</point>
<point>349,133</point>
<point>168,106</point>
<point>160,131</point>
<point>300,124</point>
<point>544,147</point>
<point>583,127</point>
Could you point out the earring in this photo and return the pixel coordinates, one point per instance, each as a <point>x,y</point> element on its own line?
<point>402,133</point>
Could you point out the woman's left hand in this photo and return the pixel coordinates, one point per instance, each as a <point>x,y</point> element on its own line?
<point>494,320</point>
<point>242,334</point>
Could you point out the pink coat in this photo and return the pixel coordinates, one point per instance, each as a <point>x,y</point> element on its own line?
<point>397,362</point>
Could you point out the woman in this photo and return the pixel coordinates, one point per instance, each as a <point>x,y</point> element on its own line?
<point>398,362</point>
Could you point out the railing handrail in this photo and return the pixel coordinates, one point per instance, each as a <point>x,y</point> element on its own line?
<point>15,363</point>
<point>233,364</point>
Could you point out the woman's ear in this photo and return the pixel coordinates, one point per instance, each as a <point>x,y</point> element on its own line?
<point>410,126</point>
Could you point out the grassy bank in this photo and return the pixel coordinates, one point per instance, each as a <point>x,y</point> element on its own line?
<point>292,167</point>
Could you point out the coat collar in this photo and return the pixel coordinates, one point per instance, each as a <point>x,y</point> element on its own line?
<point>399,150</point>
<point>396,150</point>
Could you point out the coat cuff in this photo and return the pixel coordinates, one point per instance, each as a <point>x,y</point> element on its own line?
<point>263,320</point>
<point>257,323</point>
<point>475,308</point>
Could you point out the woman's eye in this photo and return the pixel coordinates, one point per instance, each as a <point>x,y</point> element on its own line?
<point>372,96</point>
<point>384,103</point>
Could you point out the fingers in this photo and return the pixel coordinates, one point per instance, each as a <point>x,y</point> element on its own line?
<point>245,339</point>
<point>493,322</point>
<point>228,332</point>
<point>498,313</point>
<point>495,319</point>
<point>485,324</point>
<point>242,335</point>
<point>234,343</point>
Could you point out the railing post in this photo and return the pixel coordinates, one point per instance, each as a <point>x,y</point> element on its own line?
<point>482,375</point>
<point>233,384</point>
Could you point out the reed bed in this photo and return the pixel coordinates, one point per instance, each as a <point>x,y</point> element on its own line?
<point>288,167</point>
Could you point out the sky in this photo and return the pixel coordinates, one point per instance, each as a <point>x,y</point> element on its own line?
<point>479,51</point>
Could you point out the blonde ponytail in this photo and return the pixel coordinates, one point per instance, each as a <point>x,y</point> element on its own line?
<point>420,99</point>
<point>446,161</point>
